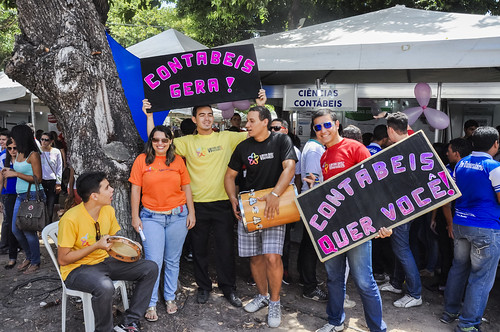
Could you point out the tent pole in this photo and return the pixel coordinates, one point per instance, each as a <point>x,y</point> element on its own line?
<point>438,107</point>
<point>32,110</point>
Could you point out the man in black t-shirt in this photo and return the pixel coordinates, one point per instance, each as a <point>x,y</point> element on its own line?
<point>269,160</point>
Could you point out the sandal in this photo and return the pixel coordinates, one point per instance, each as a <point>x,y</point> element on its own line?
<point>151,315</point>
<point>171,307</point>
<point>24,265</point>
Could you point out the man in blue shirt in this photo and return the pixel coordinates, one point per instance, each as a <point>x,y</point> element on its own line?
<point>476,229</point>
<point>380,139</point>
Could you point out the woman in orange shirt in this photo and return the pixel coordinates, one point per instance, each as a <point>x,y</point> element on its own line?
<point>167,213</point>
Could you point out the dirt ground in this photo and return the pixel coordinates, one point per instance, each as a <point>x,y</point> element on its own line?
<point>21,296</point>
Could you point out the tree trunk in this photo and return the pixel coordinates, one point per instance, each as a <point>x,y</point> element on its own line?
<point>63,57</point>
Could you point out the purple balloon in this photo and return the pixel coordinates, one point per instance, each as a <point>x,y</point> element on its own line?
<point>225,106</point>
<point>241,105</point>
<point>413,114</point>
<point>228,113</point>
<point>422,93</point>
<point>436,119</point>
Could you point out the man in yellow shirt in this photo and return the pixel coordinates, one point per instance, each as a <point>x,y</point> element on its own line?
<point>207,154</point>
<point>85,263</point>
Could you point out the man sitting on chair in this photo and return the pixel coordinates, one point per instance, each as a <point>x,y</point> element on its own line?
<point>85,263</point>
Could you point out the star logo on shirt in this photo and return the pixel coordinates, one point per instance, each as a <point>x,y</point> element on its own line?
<point>253,159</point>
<point>200,152</point>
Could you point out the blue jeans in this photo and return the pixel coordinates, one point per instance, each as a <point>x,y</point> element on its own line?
<point>405,262</point>
<point>475,261</point>
<point>165,235</point>
<point>27,240</point>
<point>360,263</point>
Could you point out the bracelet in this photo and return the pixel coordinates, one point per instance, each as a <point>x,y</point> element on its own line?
<point>275,194</point>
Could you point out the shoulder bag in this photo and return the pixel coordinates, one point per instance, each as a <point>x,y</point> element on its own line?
<point>32,214</point>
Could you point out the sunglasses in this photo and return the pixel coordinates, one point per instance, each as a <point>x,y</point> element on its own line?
<point>326,125</point>
<point>11,148</point>
<point>277,128</point>
<point>45,139</point>
<point>97,231</point>
<point>163,140</point>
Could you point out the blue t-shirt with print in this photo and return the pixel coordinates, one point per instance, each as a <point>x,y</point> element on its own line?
<point>478,178</point>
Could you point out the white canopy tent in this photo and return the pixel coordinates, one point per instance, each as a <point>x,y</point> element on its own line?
<point>167,42</point>
<point>394,45</point>
<point>9,89</point>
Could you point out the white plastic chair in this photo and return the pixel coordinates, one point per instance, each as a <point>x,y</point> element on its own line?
<point>51,231</point>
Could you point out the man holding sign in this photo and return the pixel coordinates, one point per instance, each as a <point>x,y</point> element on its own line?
<point>340,155</point>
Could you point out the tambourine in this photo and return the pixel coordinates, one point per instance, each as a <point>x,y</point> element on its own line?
<point>124,249</point>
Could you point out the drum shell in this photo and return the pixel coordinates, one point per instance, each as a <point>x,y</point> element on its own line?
<point>252,210</point>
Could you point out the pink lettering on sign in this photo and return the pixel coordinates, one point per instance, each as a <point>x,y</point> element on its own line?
<point>396,164</point>
<point>427,162</point>
<point>335,197</point>
<point>346,186</point>
<point>237,63</point>
<point>248,66</point>
<point>149,81</point>
<point>436,189</point>
<point>341,242</point>
<point>175,92</point>
<point>163,72</point>
<point>326,210</point>
<point>326,244</point>
<point>353,231</point>
<point>314,223</point>
<point>213,84</point>
<point>187,88</point>
<point>230,81</point>
<point>201,58</point>
<point>366,225</point>
<point>174,65</point>
<point>215,58</point>
<point>199,86</point>
<point>187,59</point>
<point>390,212</point>
<point>405,205</point>
<point>416,196</point>
<point>380,169</point>
<point>413,163</point>
<point>227,59</point>
<point>363,177</point>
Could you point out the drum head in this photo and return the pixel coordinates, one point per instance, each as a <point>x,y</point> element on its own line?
<point>124,249</point>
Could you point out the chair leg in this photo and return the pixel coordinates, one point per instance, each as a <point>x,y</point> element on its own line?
<point>123,291</point>
<point>88,313</point>
<point>63,314</point>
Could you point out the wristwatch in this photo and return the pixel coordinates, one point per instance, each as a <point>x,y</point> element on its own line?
<point>275,194</point>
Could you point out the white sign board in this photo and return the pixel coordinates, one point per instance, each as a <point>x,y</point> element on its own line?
<point>337,97</point>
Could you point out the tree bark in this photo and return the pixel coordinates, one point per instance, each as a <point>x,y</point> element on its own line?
<point>63,57</point>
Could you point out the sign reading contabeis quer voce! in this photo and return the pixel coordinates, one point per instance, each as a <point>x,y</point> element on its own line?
<point>388,189</point>
<point>201,77</point>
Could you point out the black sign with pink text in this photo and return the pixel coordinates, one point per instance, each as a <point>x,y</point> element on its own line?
<point>388,189</point>
<point>201,77</point>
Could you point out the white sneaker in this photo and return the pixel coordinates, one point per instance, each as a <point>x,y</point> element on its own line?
<point>388,287</point>
<point>274,314</point>
<point>349,303</point>
<point>331,328</point>
<point>408,301</point>
<point>258,302</point>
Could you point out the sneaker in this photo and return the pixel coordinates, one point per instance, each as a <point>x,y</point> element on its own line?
<point>408,301</point>
<point>348,303</point>
<point>467,329</point>
<point>286,278</point>
<point>448,318</point>
<point>381,277</point>
<point>331,328</point>
<point>131,327</point>
<point>251,282</point>
<point>426,273</point>
<point>274,314</point>
<point>258,302</point>
<point>189,257</point>
<point>316,295</point>
<point>388,287</point>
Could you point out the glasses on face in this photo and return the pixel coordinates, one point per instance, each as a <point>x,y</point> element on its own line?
<point>277,128</point>
<point>45,139</point>
<point>97,231</point>
<point>11,148</point>
<point>163,140</point>
<point>326,125</point>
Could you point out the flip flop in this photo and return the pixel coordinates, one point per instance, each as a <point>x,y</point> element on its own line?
<point>151,315</point>
<point>171,307</point>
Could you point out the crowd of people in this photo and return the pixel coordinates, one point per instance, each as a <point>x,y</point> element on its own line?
<point>185,186</point>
